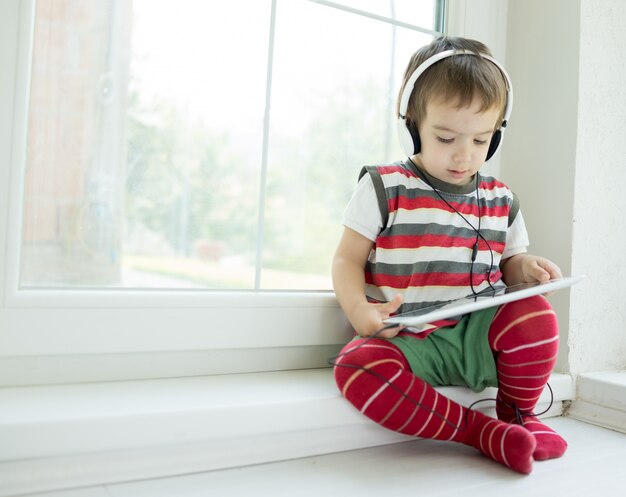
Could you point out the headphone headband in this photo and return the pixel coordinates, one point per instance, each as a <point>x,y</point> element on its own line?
<point>409,140</point>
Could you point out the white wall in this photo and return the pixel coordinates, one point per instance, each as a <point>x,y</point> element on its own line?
<point>564,156</point>
<point>598,309</point>
<point>539,154</point>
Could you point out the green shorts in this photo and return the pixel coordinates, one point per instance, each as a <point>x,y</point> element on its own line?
<point>456,355</point>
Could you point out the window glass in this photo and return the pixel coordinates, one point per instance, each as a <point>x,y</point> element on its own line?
<point>417,13</point>
<point>203,144</point>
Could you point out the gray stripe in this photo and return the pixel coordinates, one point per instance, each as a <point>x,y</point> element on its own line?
<point>379,188</point>
<point>420,229</point>
<point>426,267</point>
<point>514,209</point>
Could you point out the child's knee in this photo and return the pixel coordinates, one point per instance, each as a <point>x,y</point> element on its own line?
<point>540,309</point>
<point>366,354</point>
<point>524,321</point>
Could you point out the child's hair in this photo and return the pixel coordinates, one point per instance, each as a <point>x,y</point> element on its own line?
<point>461,78</point>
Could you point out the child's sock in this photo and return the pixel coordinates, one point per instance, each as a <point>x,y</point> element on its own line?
<point>550,444</point>
<point>525,336</point>
<point>506,443</point>
<point>409,405</point>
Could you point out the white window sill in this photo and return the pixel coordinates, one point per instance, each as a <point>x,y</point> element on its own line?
<point>73,435</point>
<point>601,399</point>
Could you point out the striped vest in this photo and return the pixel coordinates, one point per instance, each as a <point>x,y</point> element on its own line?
<point>424,249</point>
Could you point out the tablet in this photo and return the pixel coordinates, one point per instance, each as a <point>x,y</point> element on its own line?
<point>415,320</point>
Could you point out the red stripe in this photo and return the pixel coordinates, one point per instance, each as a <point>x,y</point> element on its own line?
<point>492,184</point>
<point>495,211</point>
<point>426,279</point>
<point>382,170</point>
<point>443,241</point>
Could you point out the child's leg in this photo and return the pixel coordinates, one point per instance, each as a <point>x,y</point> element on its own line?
<point>376,378</point>
<point>525,336</point>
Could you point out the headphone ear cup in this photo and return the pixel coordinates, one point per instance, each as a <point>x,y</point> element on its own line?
<point>495,143</point>
<point>409,137</point>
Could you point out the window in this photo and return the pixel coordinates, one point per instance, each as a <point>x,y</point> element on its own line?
<point>205,145</point>
<point>90,288</point>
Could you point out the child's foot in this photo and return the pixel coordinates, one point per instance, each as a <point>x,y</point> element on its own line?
<point>550,444</point>
<point>505,443</point>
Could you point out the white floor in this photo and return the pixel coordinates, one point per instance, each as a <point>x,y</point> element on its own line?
<point>593,465</point>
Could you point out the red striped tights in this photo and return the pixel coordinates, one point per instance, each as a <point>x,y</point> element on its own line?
<point>375,377</point>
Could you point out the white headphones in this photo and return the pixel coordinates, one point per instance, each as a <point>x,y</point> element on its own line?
<point>409,136</point>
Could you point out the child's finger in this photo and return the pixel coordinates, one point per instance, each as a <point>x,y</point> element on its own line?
<point>540,273</point>
<point>554,272</point>
<point>394,303</point>
<point>544,270</point>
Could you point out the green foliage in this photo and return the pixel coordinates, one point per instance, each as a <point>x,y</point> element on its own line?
<point>315,181</point>
<point>185,184</point>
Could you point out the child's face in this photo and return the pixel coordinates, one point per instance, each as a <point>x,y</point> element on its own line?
<point>455,140</point>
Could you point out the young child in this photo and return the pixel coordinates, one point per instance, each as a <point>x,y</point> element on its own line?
<point>430,229</point>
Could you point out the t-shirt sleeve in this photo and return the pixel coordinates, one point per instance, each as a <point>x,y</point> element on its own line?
<point>516,238</point>
<point>362,213</point>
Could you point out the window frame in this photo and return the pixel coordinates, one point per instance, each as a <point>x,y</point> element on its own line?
<point>43,333</point>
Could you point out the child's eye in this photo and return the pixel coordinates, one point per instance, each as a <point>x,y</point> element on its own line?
<point>480,142</point>
<point>445,140</point>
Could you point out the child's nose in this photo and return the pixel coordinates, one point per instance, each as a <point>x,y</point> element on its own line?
<point>463,152</point>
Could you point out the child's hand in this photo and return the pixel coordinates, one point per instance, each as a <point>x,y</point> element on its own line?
<point>368,318</point>
<point>536,268</point>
